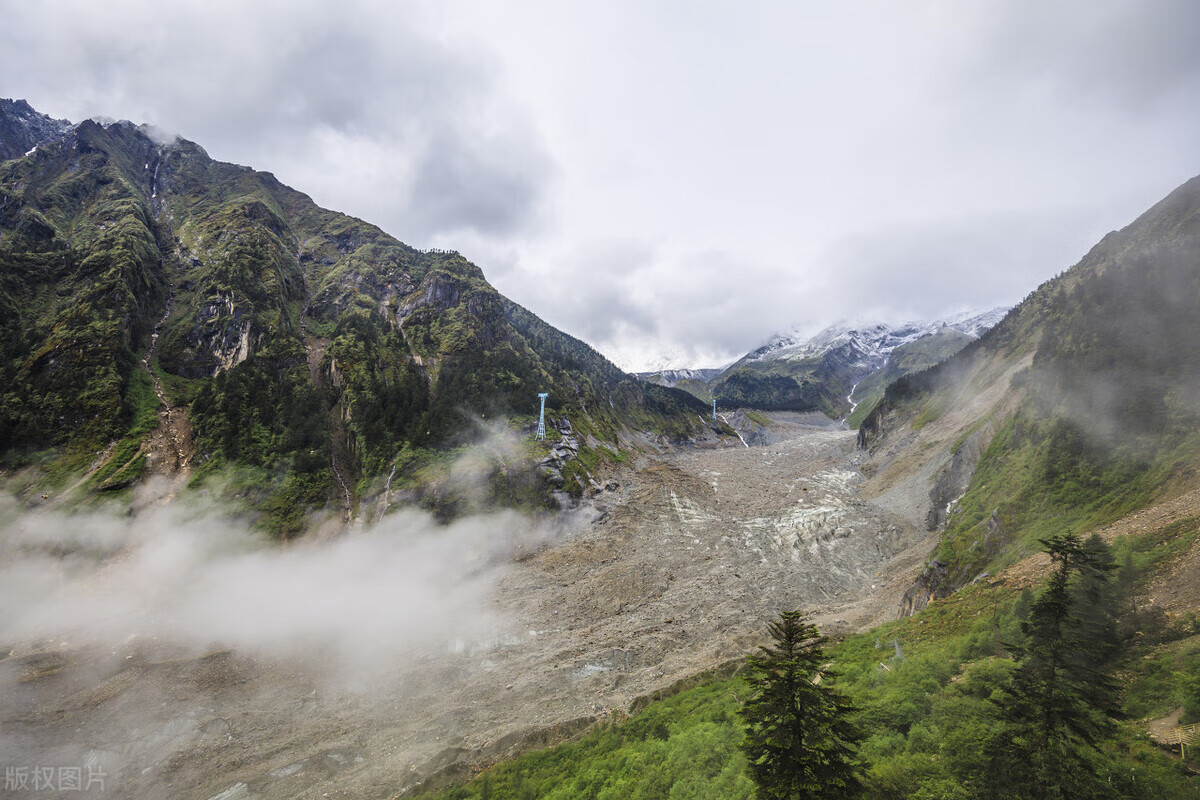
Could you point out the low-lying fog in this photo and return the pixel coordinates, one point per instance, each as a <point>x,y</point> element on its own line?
<point>182,577</point>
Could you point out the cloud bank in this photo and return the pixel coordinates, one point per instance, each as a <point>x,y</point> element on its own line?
<point>671,179</point>
<point>354,607</point>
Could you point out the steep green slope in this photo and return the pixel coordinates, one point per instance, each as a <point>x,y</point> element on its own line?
<point>1094,405</point>
<point>813,384</point>
<point>82,276</point>
<point>309,347</point>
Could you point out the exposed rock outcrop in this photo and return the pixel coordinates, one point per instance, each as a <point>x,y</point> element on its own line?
<point>930,585</point>
<point>952,481</point>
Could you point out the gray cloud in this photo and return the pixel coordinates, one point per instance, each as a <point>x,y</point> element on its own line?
<point>1131,53</point>
<point>712,306</point>
<point>667,184</point>
<point>923,271</point>
<point>628,298</point>
<point>364,110</point>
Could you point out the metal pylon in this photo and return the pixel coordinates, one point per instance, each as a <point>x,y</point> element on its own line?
<point>541,431</point>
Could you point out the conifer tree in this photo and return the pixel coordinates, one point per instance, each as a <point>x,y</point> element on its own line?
<point>800,738</point>
<point>1056,704</point>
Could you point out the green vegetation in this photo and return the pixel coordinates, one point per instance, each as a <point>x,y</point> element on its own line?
<point>935,698</point>
<point>1056,705</point>
<point>1036,479</point>
<point>418,348</point>
<point>265,415</point>
<point>777,392</point>
<point>80,271</point>
<point>800,740</point>
<point>1107,413</point>
<point>126,463</point>
<point>685,746</point>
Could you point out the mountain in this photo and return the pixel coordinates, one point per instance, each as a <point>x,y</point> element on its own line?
<point>795,372</point>
<point>302,354</point>
<point>912,356</point>
<point>22,128</point>
<point>1081,405</point>
<point>693,381</point>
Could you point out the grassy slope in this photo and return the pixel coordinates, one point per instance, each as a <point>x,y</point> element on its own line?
<point>925,707</point>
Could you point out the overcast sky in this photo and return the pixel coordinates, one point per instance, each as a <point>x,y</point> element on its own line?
<point>671,179</point>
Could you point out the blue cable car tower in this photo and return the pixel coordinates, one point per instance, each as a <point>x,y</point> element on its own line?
<point>541,431</point>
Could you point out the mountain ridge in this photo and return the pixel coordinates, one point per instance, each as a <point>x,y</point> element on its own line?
<point>1078,407</point>
<point>294,337</point>
<point>873,340</point>
<point>796,371</point>
<point>22,128</point>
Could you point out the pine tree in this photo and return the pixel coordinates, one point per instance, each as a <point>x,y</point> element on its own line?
<point>1056,704</point>
<point>1095,604</point>
<point>800,739</point>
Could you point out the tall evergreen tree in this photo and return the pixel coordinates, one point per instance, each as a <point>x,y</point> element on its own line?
<point>1056,705</point>
<point>800,738</point>
<point>1096,605</point>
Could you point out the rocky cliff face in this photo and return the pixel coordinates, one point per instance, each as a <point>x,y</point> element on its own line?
<point>22,128</point>
<point>952,480</point>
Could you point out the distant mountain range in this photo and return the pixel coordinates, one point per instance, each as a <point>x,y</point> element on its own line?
<point>793,371</point>
<point>693,381</point>
<point>865,346</point>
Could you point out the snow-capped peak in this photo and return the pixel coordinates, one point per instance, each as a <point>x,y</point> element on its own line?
<point>867,345</point>
<point>977,323</point>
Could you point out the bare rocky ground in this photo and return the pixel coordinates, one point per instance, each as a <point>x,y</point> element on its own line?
<point>677,574</point>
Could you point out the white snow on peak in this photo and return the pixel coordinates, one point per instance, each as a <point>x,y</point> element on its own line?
<point>977,323</point>
<point>867,346</point>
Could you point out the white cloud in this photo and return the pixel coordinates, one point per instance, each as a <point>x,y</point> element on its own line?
<point>672,177</point>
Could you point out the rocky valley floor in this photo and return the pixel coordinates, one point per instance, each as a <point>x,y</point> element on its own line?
<point>676,573</point>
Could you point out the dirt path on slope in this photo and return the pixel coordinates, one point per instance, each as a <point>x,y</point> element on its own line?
<point>679,574</point>
<point>1159,728</point>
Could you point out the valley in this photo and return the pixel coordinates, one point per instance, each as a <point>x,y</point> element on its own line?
<point>670,575</point>
<point>274,522</point>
